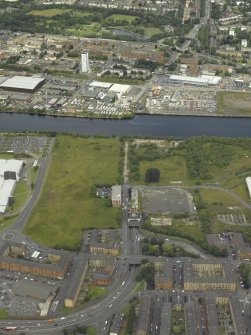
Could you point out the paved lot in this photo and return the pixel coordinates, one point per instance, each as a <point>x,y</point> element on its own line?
<point>172,201</point>
<point>23,144</point>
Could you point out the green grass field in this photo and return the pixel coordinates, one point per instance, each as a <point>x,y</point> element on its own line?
<point>49,12</point>
<point>6,221</point>
<point>65,207</point>
<point>150,31</point>
<point>233,103</point>
<point>20,195</point>
<point>4,313</point>
<point>85,30</point>
<point>94,293</point>
<point>121,17</point>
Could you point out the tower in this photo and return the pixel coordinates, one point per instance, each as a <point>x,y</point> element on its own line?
<point>85,67</point>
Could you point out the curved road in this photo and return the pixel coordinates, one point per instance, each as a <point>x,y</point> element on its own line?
<point>16,228</point>
<point>88,316</point>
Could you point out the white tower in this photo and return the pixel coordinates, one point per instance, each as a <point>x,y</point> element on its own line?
<point>85,67</point>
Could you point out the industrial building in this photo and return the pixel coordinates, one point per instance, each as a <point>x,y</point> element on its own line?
<point>22,84</point>
<point>10,171</point>
<point>203,80</point>
<point>120,89</point>
<point>85,66</point>
<point>248,181</point>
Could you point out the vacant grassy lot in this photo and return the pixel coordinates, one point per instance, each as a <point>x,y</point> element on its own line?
<point>121,17</point>
<point>233,103</point>
<point>6,221</point>
<point>49,12</point>
<point>66,207</point>
<point>150,31</point>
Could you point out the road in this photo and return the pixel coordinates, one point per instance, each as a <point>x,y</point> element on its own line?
<point>15,230</point>
<point>87,316</point>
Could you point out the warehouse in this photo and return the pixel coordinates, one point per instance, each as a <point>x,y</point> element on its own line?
<point>120,89</point>
<point>197,81</point>
<point>6,190</point>
<point>11,168</point>
<point>10,171</point>
<point>22,84</point>
<point>248,181</point>
<point>100,84</point>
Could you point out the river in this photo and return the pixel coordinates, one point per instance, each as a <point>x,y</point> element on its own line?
<point>143,125</point>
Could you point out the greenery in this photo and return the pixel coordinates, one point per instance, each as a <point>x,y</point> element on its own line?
<point>147,273</point>
<point>203,36</point>
<point>233,103</point>
<point>160,247</point>
<point>4,313</point>
<point>78,20</point>
<point>95,292</point>
<point>244,270</point>
<point>152,175</point>
<point>81,330</point>
<point>148,152</point>
<point>65,207</point>
<point>130,315</point>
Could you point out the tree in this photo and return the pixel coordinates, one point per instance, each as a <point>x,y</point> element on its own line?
<point>166,247</point>
<point>152,175</point>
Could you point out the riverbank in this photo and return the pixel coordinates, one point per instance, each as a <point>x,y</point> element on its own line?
<point>141,125</point>
<point>128,116</point>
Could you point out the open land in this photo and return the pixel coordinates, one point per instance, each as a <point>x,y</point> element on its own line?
<point>233,103</point>
<point>66,207</point>
<point>215,170</point>
<point>49,12</point>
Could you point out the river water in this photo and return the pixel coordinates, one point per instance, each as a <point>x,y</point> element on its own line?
<point>141,125</point>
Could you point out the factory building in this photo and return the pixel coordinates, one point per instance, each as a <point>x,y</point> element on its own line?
<point>85,66</point>
<point>10,171</point>
<point>248,182</point>
<point>22,84</point>
<point>203,80</point>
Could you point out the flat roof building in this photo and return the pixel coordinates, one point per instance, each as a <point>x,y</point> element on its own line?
<point>9,173</point>
<point>248,182</point>
<point>198,81</point>
<point>22,84</point>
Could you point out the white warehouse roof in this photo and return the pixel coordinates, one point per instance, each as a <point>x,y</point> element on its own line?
<point>202,80</point>
<point>6,189</point>
<point>21,82</point>
<point>100,84</point>
<point>119,88</point>
<point>12,165</point>
<point>248,181</point>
